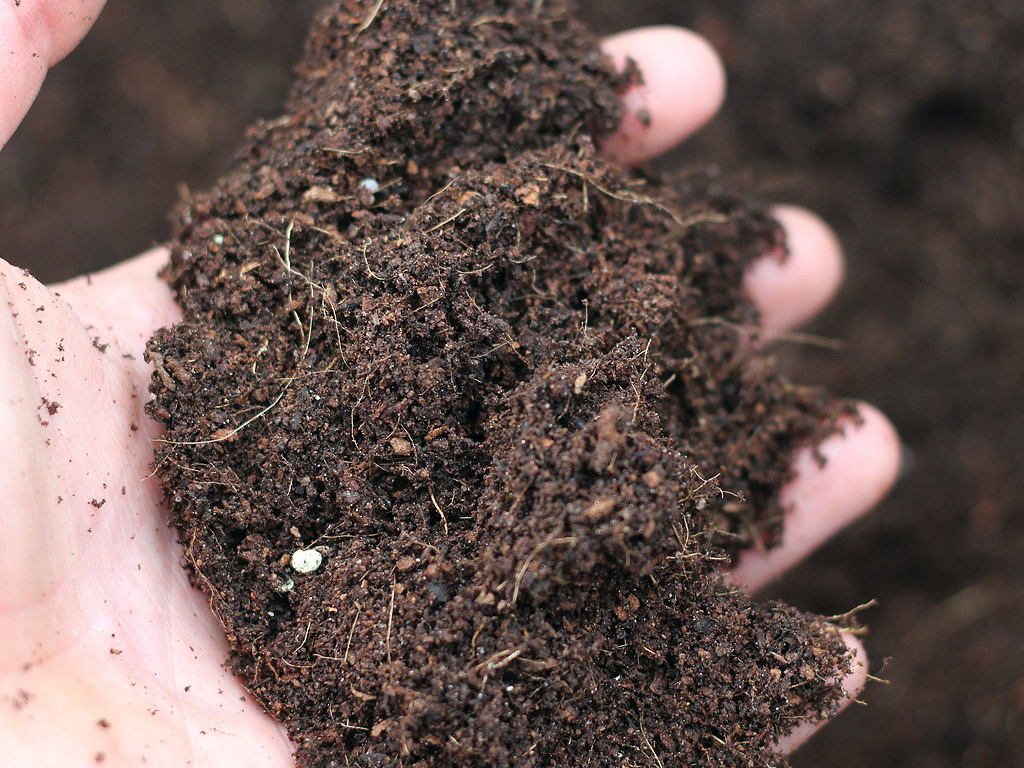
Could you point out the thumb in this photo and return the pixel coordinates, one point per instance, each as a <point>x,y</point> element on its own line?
<point>35,35</point>
<point>67,416</point>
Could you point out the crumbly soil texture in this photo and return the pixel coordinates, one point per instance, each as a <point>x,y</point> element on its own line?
<point>463,422</point>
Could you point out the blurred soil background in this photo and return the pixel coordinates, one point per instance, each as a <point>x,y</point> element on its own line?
<point>900,121</point>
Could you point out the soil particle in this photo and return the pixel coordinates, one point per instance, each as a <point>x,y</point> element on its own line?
<point>504,394</point>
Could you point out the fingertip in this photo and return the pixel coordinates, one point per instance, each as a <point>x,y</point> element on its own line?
<point>36,36</point>
<point>862,462</point>
<point>853,684</point>
<point>789,290</point>
<point>683,87</point>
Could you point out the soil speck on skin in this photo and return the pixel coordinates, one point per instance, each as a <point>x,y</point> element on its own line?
<point>21,698</point>
<point>504,394</point>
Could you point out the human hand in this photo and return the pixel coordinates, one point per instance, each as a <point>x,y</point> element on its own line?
<point>111,655</point>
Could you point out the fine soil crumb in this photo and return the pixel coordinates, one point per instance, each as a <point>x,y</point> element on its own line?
<point>463,422</point>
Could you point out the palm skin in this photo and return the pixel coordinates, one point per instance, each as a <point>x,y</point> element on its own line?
<point>110,656</point>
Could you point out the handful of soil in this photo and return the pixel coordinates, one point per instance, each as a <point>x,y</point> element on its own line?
<point>460,426</point>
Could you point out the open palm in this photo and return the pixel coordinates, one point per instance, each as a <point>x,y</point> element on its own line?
<point>109,655</point>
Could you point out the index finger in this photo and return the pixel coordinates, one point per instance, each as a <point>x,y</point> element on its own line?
<point>683,86</point>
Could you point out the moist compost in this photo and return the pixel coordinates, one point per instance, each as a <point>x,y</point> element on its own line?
<point>462,422</point>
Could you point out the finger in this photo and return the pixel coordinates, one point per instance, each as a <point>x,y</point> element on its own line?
<point>35,35</point>
<point>683,87</point>
<point>790,289</point>
<point>862,463</point>
<point>853,684</point>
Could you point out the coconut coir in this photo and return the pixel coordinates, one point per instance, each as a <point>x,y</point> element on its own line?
<point>506,392</point>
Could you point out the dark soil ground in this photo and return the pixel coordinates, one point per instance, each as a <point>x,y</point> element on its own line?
<point>500,392</point>
<point>901,122</point>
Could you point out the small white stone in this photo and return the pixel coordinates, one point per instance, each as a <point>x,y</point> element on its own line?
<point>701,503</point>
<point>218,239</point>
<point>370,185</point>
<point>306,560</point>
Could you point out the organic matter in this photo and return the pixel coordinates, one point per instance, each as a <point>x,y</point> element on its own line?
<point>504,393</point>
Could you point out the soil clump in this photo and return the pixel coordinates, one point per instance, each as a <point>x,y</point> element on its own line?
<point>505,393</point>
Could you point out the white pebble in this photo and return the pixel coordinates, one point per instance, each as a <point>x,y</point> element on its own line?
<point>218,239</point>
<point>370,185</point>
<point>306,560</point>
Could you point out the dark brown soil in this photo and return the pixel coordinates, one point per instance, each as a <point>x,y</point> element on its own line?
<point>502,394</point>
